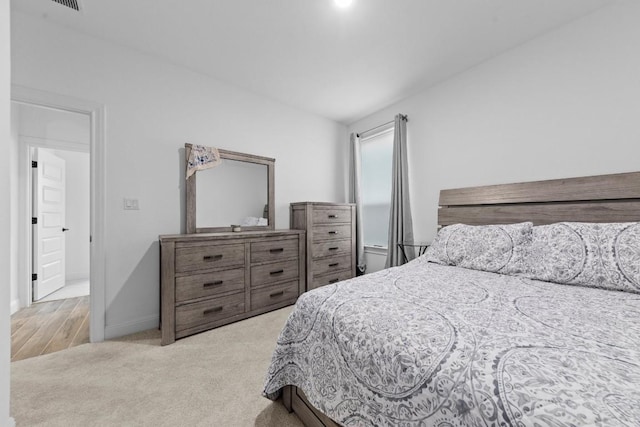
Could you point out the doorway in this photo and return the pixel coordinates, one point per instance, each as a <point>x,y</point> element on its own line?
<point>21,221</point>
<point>55,191</point>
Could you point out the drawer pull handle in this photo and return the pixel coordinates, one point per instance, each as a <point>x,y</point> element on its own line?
<point>273,251</point>
<point>276,294</point>
<point>273,273</point>
<point>334,281</point>
<point>210,284</point>
<point>212,311</point>
<point>335,264</point>
<point>333,216</point>
<point>333,232</point>
<point>212,257</point>
<point>335,248</point>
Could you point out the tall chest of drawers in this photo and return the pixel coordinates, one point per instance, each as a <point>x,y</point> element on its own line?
<point>330,240</point>
<point>209,280</point>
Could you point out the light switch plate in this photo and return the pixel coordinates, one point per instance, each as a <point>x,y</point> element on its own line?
<point>131,204</point>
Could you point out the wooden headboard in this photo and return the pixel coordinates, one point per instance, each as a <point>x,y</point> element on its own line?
<point>602,198</point>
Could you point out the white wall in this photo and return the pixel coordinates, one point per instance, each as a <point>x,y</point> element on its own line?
<point>13,202</point>
<point>374,259</point>
<point>152,109</point>
<point>5,211</point>
<point>565,104</point>
<point>49,124</point>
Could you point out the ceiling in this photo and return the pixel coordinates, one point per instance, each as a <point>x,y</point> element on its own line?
<point>342,64</point>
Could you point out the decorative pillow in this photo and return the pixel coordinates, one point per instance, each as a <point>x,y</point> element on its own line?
<point>493,248</point>
<point>588,254</point>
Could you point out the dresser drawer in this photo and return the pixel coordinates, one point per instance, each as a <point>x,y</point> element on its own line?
<point>328,279</point>
<point>200,313</point>
<point>331,265</point>
<point>209,284</point>
<point>274,250</point>
<point>274,272</point>
<point>332,215</point>
<point>204,257</point>
<point>329,248</point>
<point>271,295</point>
<point>331,232</point>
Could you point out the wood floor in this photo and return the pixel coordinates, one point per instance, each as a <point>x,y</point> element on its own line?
<point>49,326</point>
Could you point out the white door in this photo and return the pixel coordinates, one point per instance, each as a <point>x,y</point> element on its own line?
<point>48,232</point>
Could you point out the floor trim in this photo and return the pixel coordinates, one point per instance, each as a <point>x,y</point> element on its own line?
<point>131,327</point>
<point>15,305</point>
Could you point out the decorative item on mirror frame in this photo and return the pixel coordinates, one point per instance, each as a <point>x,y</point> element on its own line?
<point>236,228</point>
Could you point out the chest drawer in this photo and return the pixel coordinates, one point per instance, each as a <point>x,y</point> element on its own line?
<point>274,250</point>
<point>274,272</point>
<point>205,257</point>
<point>200,313</point>
<point>331,215</point>
<point>209,284</point>
<point>331,247</point>
<point>331,265</point>
<point>328,279</point>
<point>331,232</point>
<point>272,295</point>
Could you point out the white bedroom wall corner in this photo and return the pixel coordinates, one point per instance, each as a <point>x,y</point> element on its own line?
<point>5,213</point>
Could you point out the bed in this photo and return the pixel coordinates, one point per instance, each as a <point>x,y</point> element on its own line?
<point>463,337</point>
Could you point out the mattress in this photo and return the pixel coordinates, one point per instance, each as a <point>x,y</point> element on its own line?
<point>431,345</point>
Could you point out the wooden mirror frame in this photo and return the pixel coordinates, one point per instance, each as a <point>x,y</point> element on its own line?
<point>241,157</point>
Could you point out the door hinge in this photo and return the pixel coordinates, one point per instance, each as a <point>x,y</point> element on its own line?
<point>34,220</point>
<point>34,164</point>
<point>34,277</point>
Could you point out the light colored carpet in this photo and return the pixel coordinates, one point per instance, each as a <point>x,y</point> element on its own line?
<point>211,379</point>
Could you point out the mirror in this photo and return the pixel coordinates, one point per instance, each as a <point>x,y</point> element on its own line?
<point>237,191</point>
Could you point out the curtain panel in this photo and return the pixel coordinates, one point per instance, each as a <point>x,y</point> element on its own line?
<point>400,223</point>
<point>355,196</point>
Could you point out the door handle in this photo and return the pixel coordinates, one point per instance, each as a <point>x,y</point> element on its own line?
<point>64,229</point>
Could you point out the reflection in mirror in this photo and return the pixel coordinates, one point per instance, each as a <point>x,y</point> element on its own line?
<point>233,192</point>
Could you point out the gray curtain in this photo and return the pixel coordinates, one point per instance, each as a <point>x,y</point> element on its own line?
<point>400,223</point>
<point>355,197</point>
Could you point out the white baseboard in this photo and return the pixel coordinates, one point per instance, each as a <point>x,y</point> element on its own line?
<point>11,422</point>
<point>131,327</point>
<point>77,276</point>
<point>15,305</point>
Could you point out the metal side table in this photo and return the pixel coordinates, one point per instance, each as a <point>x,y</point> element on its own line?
<point>420,247</point>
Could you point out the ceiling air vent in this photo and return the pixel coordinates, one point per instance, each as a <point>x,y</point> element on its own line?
<point>72,4</point>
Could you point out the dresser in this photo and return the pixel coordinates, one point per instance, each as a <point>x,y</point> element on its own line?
<point>330,240</point>
<point>212,279</point>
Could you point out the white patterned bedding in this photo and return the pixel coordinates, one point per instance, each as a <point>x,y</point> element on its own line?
<point>432,345</point>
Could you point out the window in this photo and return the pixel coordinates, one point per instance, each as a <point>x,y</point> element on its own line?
<point>376,155</point>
